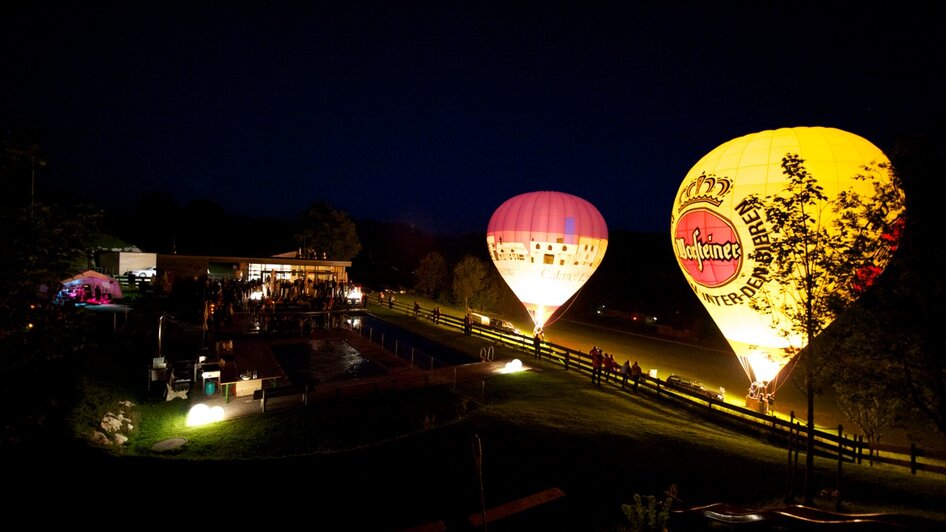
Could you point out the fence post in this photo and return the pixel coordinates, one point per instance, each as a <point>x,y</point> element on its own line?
<point>790,477</point>
<point>912,457</point>
<point>797,436</point>
<point>837,500</point>
<point>262,400</point>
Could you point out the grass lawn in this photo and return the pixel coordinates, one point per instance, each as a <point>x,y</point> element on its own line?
<point>402,460</point>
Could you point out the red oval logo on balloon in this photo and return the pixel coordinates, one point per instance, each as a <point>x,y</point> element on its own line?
<point>707,247</point>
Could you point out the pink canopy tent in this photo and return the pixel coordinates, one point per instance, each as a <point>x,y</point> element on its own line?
<point>107,285</point>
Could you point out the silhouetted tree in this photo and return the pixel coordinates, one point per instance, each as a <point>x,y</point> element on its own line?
<point>494,295</point>
<point>42,246</point>
<point>916,291</point>
<point>468,278</point>
<point>874,413</point>
<point>822,269</point>
<point>327,232</point>
<point>432,275</point>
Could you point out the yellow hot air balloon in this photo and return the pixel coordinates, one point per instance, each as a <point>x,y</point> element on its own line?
<point>720,239</point>
<point>546,245</point>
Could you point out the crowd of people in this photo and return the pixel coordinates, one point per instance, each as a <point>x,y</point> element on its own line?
<point>602,362</point>
<point>84,293</point>
<point>222,298</point>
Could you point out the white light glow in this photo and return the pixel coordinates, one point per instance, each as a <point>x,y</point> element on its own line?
<point>355,293</point>
<point>544,287</point>
<point>764,368</point>
<point>201,414</point>
<point>514,366</point>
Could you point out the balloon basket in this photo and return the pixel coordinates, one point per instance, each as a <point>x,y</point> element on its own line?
<point>757,405</point>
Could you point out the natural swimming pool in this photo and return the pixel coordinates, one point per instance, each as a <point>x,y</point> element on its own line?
<point>322,360</point>
<point>319,361</point>
<point>445,356</point>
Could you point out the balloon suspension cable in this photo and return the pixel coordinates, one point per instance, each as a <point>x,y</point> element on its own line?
<point>559,312</point>
<point>787,370</point>
<point>744,362</point>
<point>765,390</point>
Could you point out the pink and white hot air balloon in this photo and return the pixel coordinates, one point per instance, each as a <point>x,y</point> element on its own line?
<point>546,245</point>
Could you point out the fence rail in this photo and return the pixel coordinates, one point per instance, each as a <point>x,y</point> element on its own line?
<point>789,432</point>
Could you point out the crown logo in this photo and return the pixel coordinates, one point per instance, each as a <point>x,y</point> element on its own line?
<point>710,189</point>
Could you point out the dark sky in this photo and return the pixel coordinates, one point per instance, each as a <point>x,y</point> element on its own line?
<point>434,113</point>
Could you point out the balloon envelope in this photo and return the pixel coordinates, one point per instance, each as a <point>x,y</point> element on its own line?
<point>546,245</point>
<point>714,236</point>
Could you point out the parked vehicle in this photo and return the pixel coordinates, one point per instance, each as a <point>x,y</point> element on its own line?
<point>494,323</point>
<point>694,387</point>
<point>503,325</point>
<point>146,273</point>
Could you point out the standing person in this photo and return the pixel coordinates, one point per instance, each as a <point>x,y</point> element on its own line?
<point>391,301</point>
<point>468,324</point>
<point>636,372</point>
<point>537,344</point>
<point>608,363</point>
<point>381,298</point>
<point>416,309</point>
<point>625,373</point>
<point>597,359</point>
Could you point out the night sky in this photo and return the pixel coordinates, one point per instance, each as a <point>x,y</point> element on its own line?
<point>434,113</point>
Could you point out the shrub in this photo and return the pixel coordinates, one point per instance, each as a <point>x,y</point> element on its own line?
<point>644,514</point>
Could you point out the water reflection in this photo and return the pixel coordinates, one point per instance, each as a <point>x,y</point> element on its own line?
<point>324,360</point>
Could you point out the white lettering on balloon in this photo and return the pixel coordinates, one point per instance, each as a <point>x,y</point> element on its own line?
<point>761,255</point>
<point>560,275</point>
<point>701,251</point>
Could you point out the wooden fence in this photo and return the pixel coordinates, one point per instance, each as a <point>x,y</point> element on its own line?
<point>792,433</point>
